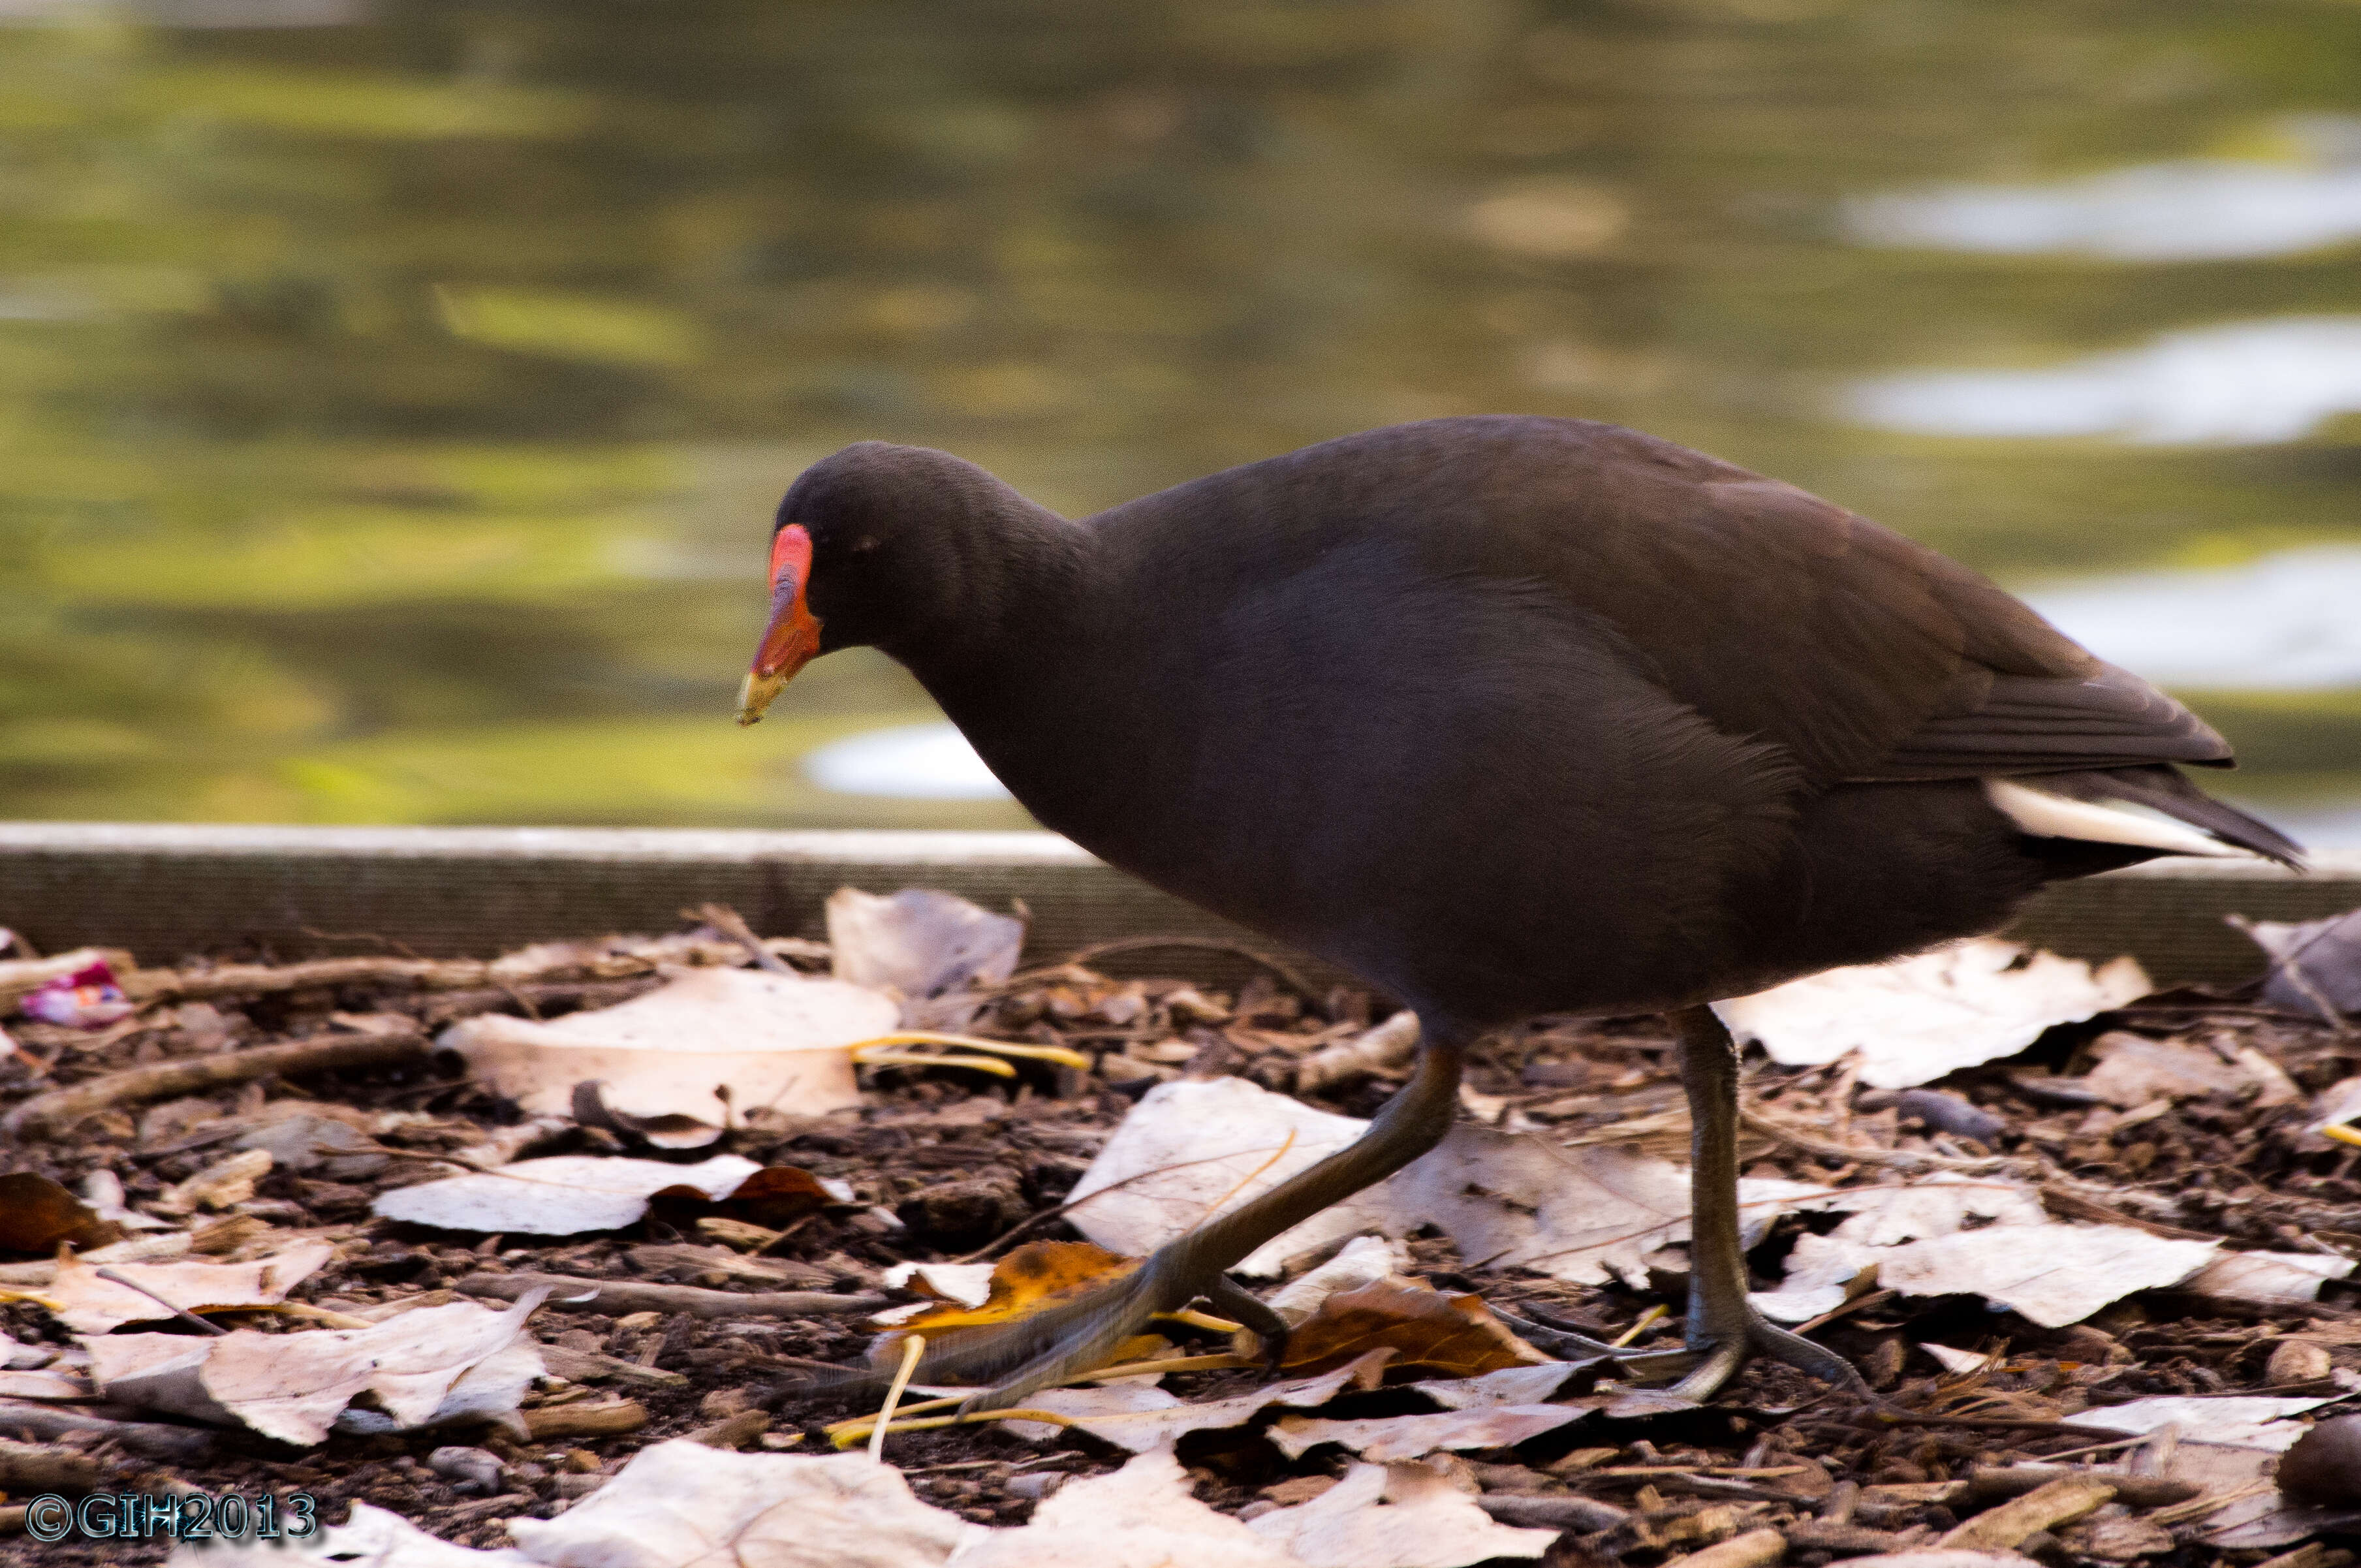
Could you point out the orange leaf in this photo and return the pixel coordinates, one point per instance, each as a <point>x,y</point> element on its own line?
<point>1035,1276</point>
<point>1454,1335</point>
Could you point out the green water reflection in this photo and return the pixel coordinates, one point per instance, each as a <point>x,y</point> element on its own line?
<point>391,412</point>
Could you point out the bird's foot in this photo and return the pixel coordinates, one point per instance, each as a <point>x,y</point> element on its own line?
<point>1727,1350</point>
<point>1548,1334</point>
<point>1082,1335</point>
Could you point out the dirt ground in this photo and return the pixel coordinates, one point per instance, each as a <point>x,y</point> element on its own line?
<point>944,1165</point>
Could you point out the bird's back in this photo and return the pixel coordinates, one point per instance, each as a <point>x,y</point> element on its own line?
<point>1517,714</point>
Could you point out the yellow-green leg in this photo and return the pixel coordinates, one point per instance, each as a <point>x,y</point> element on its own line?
<point>1722,1326</point>
<point>1029,1355</point>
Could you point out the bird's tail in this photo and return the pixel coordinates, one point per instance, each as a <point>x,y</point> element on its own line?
<point>2151,807</point>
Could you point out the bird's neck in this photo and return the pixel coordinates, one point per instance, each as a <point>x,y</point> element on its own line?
<point>1005,600</point>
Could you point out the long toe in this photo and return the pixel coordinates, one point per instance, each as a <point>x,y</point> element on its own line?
<point>1087,1341</point>
<point>1763,1337</point>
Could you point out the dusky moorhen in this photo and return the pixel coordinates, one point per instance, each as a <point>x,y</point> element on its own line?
<point>1505,715</point>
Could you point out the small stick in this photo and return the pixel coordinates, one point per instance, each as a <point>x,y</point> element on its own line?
<point>61,1108</point>
<point>113,1278</point>
<point>1639,1326</point>
<point>614,1296</point>
<point>913,1348</point>
<point>971,1417</point>
<point>1278,966</point>
<point>149,1440</point>
<point>729,923</point>
<point>846,1433</point>
<point>1903,1159</point>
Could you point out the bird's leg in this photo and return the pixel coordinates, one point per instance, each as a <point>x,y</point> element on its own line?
<point>1073,1339</point>
<point>1722,1324</point>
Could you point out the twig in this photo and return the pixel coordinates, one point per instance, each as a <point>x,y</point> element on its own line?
<point>113,1277</point>
<point>619,961</point>
<point>614,1298</point>
<point>550,1422</point>
<point>2081,1208</point>
<point>729,923</point>
<point>1388,1045</point>
<point>1640,1325</point>
<point>61,1108</point>
<point>1285,972</point>
<point>913,1347</point>
<point>149,1439</point>
<point>844,1434</point>
<point>28,1467</point>
<point>2198,1508</point>
<point>1903,1159</point>
<point>1860,1303</point>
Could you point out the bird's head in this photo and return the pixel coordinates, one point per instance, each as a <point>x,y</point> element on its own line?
<point>878,545</point>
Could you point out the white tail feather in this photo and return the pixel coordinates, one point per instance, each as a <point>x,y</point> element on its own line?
<point>2058,816</point>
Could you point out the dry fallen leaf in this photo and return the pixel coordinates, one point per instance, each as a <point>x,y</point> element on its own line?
<point>1942,1557</point>
<point>1142,1419</point>
<point>425,1369</point>
<point>774,1040</point>
<point>1192,1148</point>
<point>2055,1275</point>
<point>1916,1240</point>
<point>89,1305</point>
<point>773,1197</point>
<point>2133,1070</point>
<point>59,1384</point>
<point>679,1504</point>
<point>1364,1260</point>
<point>1823,1271</point>
<point>1031,1278</point>
<point>219,1185</point>
<point>561,1196</point>
<point>1143,1516</point>
<point>372,1538</point>
<point>918,944</point>
<point>2311,959</point>
<point>1587,1215</point>
<point>969,1284</point>
<point>963,1284</point>
<point>1381,1438</point>
<point>1122,1397</point>
<point>1916,1019</point>
<point>1510,1386</point>
<point>36,1214</point>
<point>1426,1329</point>
<point>2269,1276</point>
<point>2265,1422</point>
<point>1395,1516</point>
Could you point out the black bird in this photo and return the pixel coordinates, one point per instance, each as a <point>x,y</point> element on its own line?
<point>1505,715</point>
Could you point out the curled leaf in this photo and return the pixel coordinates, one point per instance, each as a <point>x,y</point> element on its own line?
<point>1455,1336</point>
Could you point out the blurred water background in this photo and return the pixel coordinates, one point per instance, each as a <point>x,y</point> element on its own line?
<point>393,395</point>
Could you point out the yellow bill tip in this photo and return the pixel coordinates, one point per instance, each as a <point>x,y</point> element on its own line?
<point>754,694</point>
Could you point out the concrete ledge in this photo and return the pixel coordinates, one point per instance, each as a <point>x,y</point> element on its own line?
<point>168,891</point>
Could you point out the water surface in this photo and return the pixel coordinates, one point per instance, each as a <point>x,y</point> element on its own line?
<point>393,396</point>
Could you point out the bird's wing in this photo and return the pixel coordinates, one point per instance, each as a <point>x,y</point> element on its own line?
<point>1866,655</point>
